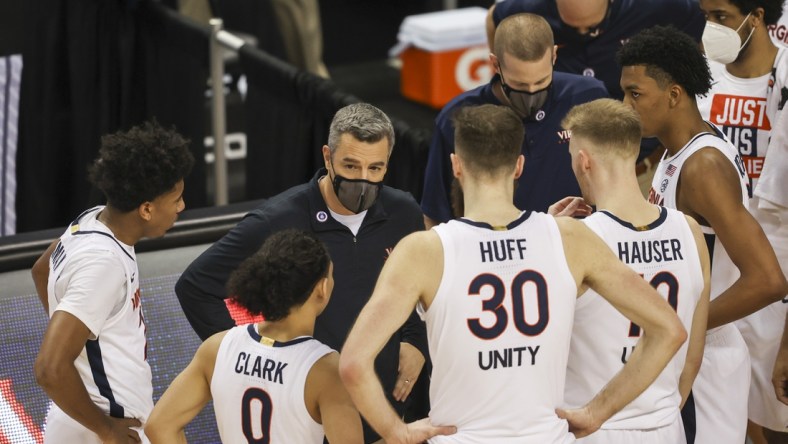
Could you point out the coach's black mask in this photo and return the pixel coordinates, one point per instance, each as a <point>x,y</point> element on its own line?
<point>356,195</point>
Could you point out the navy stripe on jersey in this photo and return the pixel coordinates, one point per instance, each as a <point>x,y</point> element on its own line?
<point>716,133</point>
<point>523,217</point>
<point>109,236</point>
<point>688,418</point>
<point>100,377</point>
<point>663,215</point>
<point>710,238</point>
<point>257,337</point>
<point>81,215</point>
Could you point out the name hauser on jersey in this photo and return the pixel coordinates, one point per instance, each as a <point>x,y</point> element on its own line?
<point>259,367</point>
<point>638,252</point>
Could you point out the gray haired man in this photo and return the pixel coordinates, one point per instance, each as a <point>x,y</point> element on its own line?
<point>359,219</point>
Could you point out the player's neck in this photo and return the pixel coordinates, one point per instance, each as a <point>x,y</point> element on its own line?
<point>287,329</point>
<point>685,125</point>
<point>620,194</point>
<point>490,202</point>
<point>757,59</point>
<point>124,226</point>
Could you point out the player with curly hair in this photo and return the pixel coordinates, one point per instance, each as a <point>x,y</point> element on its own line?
<point>92,362</point>
<point>702,175</point>
<point>275,364</point>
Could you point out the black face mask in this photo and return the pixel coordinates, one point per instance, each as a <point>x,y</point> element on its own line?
<point>574,36</point>
<point>356,195</point>
<point>525,103</point>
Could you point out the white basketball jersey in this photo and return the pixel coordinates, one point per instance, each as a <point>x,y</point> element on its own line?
<point>258,388</point>
<point>746,111</point>
<point>499,330</point>
<point>113,364</point>
<point>665,254</point>
<point>663,192</point>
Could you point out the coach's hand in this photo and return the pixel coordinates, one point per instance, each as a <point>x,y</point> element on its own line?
<point>121,431</point>
<point>581,421</point>
<point>411,361</point>
<point>570,206</point>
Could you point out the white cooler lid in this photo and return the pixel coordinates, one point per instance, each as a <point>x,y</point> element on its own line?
<point>442,30</point>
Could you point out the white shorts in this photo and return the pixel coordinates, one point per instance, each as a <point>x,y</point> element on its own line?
<point>63,429</point>
<point>762,332</point>
<point>672,433</point>
<point>721,389</point>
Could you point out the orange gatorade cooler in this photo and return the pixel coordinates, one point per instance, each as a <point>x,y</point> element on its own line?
<point>443,54</point>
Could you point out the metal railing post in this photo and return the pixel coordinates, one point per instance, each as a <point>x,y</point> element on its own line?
<point>218,114</point>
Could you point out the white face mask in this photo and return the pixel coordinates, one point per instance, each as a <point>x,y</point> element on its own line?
<point>722,44</point>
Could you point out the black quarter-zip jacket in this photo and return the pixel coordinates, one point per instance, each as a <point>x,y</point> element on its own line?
<point>358,260</point>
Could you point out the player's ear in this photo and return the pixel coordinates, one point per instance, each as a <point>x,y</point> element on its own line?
<point>675,94</point>
<point>145,211</point>
<point>456,166</point>
<point>585,159</point>
<point>518,170</point>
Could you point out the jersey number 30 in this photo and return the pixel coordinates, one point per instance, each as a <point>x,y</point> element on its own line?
<point>263,421</point>
<point>495,305</point>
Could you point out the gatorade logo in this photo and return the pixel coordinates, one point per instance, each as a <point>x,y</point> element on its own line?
<point>728,110</point>
<point>473,68</point>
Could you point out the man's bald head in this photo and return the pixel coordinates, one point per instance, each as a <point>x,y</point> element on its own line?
<point>582,15</point>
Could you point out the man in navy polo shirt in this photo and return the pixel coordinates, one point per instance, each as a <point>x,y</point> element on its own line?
<point>588,33</point>
<point>523,58</point>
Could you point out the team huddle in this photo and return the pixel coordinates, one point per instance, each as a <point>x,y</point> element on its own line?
<point>607,318</point>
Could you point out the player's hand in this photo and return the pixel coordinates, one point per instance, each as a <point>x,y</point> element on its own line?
<point>121,432</point>
<point>418,432</point>
<point>411,361</point>
<point>780,375</point>
<point>571,206</point>
<point>581,421</point>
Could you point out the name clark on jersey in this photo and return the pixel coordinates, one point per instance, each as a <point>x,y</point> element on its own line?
<point>646,252</point>
<point>508,357</point>
<point>258,367</point>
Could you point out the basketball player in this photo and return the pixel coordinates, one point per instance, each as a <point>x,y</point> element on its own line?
<point>92,361</point>
<point>660,244</point>
<point>497,290</point>
<point>702,175</point>
<point>749,86</point>
<point>270,382</point>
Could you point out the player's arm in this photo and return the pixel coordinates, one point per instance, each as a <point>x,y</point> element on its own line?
<point>93,292</point>
<point>55,372</point>
<point>414,266</point>
<point>40,272</point>
<point>593,265</point>
<point>201,289</point>
<point>490,27</point>
<point>697,338</point>
<point>186,396</point>
<point>329,403</point>
<point>717,199</point>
